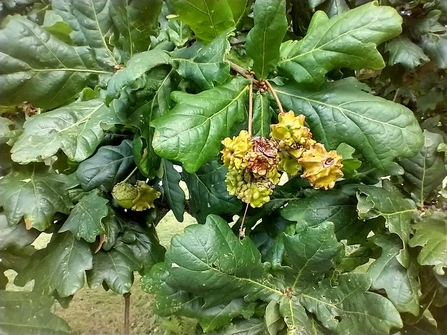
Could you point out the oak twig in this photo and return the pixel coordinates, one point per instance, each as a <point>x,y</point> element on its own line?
<point>243,72</point>
<point>271,89</point>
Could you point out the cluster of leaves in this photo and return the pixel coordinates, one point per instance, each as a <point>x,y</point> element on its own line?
<point>93,90</point>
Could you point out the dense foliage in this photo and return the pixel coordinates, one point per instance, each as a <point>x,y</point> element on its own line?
<point>103,101</point>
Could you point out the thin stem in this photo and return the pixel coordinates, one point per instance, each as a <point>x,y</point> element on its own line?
<point>242,228</point>
<point>281,110</point>
<point>127,313</point>
<point>242,72</point>
<point>250,110</point>
<point>130,175</point>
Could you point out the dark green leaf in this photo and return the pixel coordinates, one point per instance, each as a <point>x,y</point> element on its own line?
<point>133,74</point>
<point>114,267</point>
<point>171,301</point>
<point>204,64</point>
<point>435,45</point>
<point>389,203</point>
<point>425,171</point>
<point>403,51</point>
<point>208,191</point>
<point>192,131</point>
<point>85,218</point>
<point>161,80</point>
<point>334,206</point>
<point>172,191</point>
<point>334,7</point>
<point>262,115</point>
<point>264,39</point>
<point>296,318</point>
<point>42,70</point>
<point>15,237</point>
<point>92,25</point>
<point>349,309</point>
<point>273,319</point>
<point>401,285</point>
<point>59,267</point>
<point>348,40</point>
<point>29,313</point>
<point>110,165</point>
<point>239,9</point>
<point>210,261</point>
<point>75,129</point>
<point>341,112</point>
<point>35,193</point>
<point>145,244</point>
<point>431,235</point>
<point>136,21</point>
<point>208,19</point>
<point>251,326</point>
<point>113,226</point>
<point>311,252</point>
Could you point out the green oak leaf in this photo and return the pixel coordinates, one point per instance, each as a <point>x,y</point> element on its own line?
<point>239,9</point>
<point>170,301</point>
<point>59,267</point>
<point>350,162</point>
<point>348,40</point>
<point>92,25</point>
<point>262,115</point>
<point>389,203</point>
<point>191,132</point>
<point>273,318</point>
<point>108,166</point>
<point>208,191</point>
<point>85,218</point>
<point>251,326</point>
<point>431,235</point>
<point>133,74</point>
<point>211,262</point>
<point>264,39</point>
<point>348,308</point>
<point>334,206</point>
<point>6,130</point>
<point>401,285</point>
<point>296,318</point>
<point>160,82</point>
<point>341,112</point>
<point>136,22</point>
<point>208,19</point>
<point>75,129</point>
<point>172,191</point>
<point>15,237</point>
<point>144,243</point>
<point>114,267</point>
<point>403,51</point>
<point>204,64</point>
<point>425,171</point>
<point>43,70</point>
<point>35,193</point>
<point>55,25</point>
<point>435,46</point>
<point>311,252</point>
<point>29,313</point>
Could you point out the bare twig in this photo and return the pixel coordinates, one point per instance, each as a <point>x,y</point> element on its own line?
<point>127,313</point>
<point>250,109</point>
<point>242,72</point>
<point>281,110</point>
